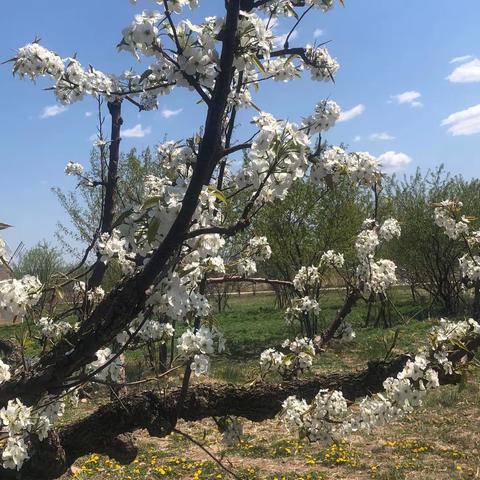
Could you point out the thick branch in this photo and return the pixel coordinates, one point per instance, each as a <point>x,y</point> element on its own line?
<point>157,413</point>
<point>342,313</point>
<point>238,278</point>
<point>115,109</point>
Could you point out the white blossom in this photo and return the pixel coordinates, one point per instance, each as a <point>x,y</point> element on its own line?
<point>14,453</point>
<point>200,364</point>
<point>17,295</point>
<point>332,259</point>
<point>390,229</point>
<point>324,118</point>
<point>4,372</point>
<point>73,168</point>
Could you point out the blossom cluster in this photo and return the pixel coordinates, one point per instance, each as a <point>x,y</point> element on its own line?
<point>286,7</point>
<point>107,366</point>
<point>53,330</point>
<point>324,118</point>
<point>73,168</point>
<point>17,295</point>
<point>151,330</point>
<point>334,162</point>
<point>33,60</point>
<point>332,259</point>
<point>470,266</point>
<point>18,421</point>
<point>376,276</point>
<point>301,307</point>
<point>94,295</point>
<point>299,357</point>
<point>174,298</point>
<point>328,417</point>
<point>257,249</point>
<point>307,283</point>
<point>307,278</point>
<point>445,213</point>
<point>277,158</point>
<point>111,246</point>
<point>197,345</point>
<point>5,374</point>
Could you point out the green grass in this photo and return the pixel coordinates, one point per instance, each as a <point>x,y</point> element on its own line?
<point>252,323</point>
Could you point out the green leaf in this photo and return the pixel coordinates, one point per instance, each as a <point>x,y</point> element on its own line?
<point>146,74</point>
<point>122,217</point>
<point>59,293</point>
<point>151,202</point>
<point>153,229</point>
<point>259,65</point>
<point>292,11</point>
<point>218,194</point>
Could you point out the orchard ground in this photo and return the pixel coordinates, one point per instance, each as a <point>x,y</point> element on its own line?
<point>439,441</point>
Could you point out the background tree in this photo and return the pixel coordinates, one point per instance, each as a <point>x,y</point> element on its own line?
<point>42,261</point>
<point>83,205</point>
<point>427,259</point>
<point>309,221</point>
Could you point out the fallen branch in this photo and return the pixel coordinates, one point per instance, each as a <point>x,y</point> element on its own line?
<point>238,278</point>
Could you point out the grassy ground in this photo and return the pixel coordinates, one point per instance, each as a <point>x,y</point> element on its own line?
<point>439,441</point>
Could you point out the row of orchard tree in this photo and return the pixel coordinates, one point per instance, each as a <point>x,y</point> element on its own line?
<point>312,219</point>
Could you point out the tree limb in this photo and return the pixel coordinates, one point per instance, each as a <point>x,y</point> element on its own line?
<point>103,430</point>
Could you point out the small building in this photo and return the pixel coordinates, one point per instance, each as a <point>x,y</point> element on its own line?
<point>5,274</point>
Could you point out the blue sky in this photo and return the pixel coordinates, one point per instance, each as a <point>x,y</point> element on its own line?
<point>386,48</point>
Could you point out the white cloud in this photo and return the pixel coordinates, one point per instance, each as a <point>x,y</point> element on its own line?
<point>53,111</point>
<point>393,161</point>
<point>411,98</point>
<point>318,32</point>
<point>462,59</point>
<point>352,113</point>
<point>88,114</point>
<point>166,113</point>
<point>465,122</point>
<point>280,39</point>
<point>381,136</point>
<point>136,132</point>
<point>466,73</point>
<point>357,138</point>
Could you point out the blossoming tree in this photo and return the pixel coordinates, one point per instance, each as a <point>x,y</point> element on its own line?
<point>170,243</point>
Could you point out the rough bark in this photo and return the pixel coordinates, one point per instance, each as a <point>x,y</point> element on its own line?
<point>115,110</point>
